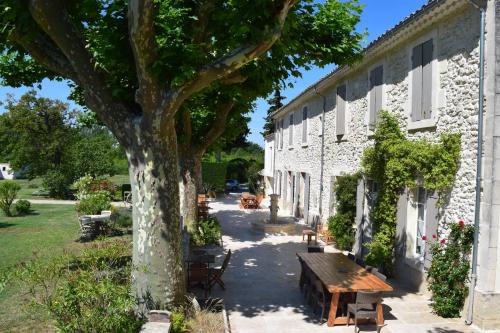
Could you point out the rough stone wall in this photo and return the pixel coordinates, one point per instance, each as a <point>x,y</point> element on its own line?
<point>456,40</point>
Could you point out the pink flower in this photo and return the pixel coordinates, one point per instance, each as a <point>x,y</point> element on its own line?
<point>424,237</point>
<point>443,241</point>
<point>461,223</point>
<point>434,236</point>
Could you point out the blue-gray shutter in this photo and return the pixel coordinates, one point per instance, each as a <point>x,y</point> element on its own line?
<point>307,181</point>
<point>296,184</point>
<point>431,225</point>
<point>416,91</point>
<point>285,189</point>
<point>341,99</point>
<point>401,224</point>
<point>427,50</point>
<point>304,124</point>
<point>376,82</point>
<point>359,219</point>
<point>290,130</point>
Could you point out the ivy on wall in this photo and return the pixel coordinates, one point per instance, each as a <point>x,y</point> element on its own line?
<point>340,224</point>
<point>396,163</point>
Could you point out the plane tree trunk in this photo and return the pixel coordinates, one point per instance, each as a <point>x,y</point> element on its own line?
<point>190,168</point>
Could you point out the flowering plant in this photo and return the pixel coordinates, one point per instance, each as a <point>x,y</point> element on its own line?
<point>448,274</point>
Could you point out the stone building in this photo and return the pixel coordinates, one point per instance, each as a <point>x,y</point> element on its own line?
<point>6,172</point>
<point>425,71</point>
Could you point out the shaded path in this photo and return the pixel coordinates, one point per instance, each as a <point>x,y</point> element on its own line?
<point>262,293</point>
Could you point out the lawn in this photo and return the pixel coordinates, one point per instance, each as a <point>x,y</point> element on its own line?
<point>49,231</point>
<point>28,187</point>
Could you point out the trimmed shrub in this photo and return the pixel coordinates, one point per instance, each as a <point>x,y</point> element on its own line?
<point>209,232</point>
<point>22,207</point>
<point>57,183</point>
<point>94,203</point>
<point>8,193</point>
<point>214,176</point>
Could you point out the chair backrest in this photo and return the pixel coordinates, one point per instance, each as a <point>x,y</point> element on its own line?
<point>258,198</point>
<point>312,249</point>
<point>371,269</point>
<point>363,297</point>
<point>226,262</point>
<point>360,262</point>
<point>351,256</point>
<point>380,275</point>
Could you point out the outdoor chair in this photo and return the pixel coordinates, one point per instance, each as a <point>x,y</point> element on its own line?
<point>310,287</point>
<point>351,256</point>
<point>380,275</point>
<point>371,269</point>
<point>215,274</point>
<point>315,249</point>
<point>321,297</point>
<point>360,262</point>
<point>303,278</point>
<point>365,307</point>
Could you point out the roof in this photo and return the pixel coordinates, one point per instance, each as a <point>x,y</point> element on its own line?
<point>425,9</point>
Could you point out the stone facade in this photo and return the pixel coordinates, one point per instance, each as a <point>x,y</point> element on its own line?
<point>6,172</point>
<point>308,161</point>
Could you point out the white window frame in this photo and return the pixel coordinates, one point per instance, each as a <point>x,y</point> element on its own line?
<point>306,142</point>
<point>436,99</point>
<point>382,63</point>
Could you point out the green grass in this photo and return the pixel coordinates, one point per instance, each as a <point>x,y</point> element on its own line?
<point>28,187</point>
<point>48,232</point>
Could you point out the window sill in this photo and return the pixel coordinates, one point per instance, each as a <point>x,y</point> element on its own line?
<point>304,145</point>
<point>290,148</point>
<point>421,124</point>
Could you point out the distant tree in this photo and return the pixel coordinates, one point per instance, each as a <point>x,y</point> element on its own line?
<point>275,103</point>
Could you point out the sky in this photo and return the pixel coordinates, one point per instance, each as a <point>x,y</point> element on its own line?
<point>377,17</point>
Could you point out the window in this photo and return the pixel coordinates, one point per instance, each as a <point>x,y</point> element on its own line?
<point>3,168</point>
<point>278,184</point>
<point>290,131</point>
<point>420,203</point>
<point>341,106</point>
<point>304,125</point>
<point>376,83</point>
<point>421,92</point>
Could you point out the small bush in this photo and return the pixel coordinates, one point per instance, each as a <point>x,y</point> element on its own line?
<point>33,185</point>
<point>87,293</point>
<point>94,203</point>
<point>208,232</point>
<point>178,321</point>
<point>8,193</point>
<point>124,220</point>
<point>22,207</point>
<point>340,225</point>
<point>57,183</point>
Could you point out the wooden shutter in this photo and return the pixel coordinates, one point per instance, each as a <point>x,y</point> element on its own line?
<point>290,131</point>
<point>281,136</point>
<point>401,224</point>
<point>376,82</point>
<point>295,197</point>
<point>359,219</point>
<point>427,50</point>
<point>304,124</point>
<point>307,181</point>
<point>416,91</point>
<point>341,99</point>
<point>285,185</point>
<point>431,226</point>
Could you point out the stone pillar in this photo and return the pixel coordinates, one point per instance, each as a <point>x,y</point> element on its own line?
<point>273,207</point>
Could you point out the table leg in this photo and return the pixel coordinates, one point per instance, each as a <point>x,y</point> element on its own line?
<point>380,314</point>
<point>333,309</point>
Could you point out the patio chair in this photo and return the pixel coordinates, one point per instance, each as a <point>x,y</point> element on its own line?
<point>371,269</point>
<point>360,262</point>
<point>303,278</point>
<point>215,274</point>
<point>380,275</point>
<point>351,256</point>
<point>365,307</point>
<point>321,297</point>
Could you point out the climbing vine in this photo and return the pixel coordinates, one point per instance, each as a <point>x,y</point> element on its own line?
<point>340,224</point>
<point>396,163</point>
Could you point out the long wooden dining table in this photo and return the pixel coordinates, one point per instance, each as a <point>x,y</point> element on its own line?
<point>340,275</point>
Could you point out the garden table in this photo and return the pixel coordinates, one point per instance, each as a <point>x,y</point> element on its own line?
<point>199,268</point>
<point>339,275</point>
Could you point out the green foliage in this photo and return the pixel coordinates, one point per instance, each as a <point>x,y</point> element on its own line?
<point>275,103</point>
<point>178,321</point>
<point>208,232</point>
<point>22,207</point>
<point>94,203</point>
<point>255,179</point>
<point>8,193</point>
<point>448,274</point>
<point>340,225</point>
<point>87,293</point>
<point>214,175</point>
<point>395,162</point>
<point>57,183</point>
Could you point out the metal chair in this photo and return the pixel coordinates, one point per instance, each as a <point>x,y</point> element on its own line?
<point>215,274</point>
<point>351,256</point>
<point>380,275</point>
<point>360,262</point>
<point>365,307</point>
<point>371,269</point>
<point>321,298</point>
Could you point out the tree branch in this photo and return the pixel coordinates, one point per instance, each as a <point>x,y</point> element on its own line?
<point>218,127</point>
<point>141,30</point>
<point>187,128</point>
<point>229,63</point>
<point>52,17</point>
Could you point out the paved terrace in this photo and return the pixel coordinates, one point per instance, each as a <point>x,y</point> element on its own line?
<point>262,293</point>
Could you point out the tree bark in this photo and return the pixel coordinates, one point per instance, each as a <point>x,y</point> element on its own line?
<point>158,274</point>
<point>190,168</point>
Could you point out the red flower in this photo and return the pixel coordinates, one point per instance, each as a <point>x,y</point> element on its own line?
<point>461,223</point>
<point>424,237</point>
<point>434,236</point>
<point>443,241</point>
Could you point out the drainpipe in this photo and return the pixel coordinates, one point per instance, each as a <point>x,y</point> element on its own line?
<point>322,160</point>
<point>473,275</point>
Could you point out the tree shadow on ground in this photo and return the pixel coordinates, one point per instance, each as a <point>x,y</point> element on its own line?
<point>7,224</point>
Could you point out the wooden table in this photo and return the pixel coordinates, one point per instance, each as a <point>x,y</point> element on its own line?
<point>339,275</point>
